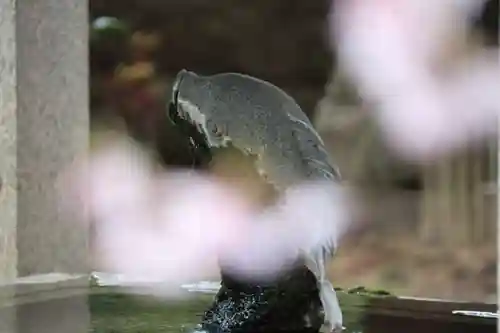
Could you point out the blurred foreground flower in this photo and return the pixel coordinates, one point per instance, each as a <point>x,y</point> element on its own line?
<point>433,90</point>
<point>177,226</point>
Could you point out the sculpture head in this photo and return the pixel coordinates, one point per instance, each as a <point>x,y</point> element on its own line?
<point>253,116</point>
<point>211,110</point>
<point>181,113</point>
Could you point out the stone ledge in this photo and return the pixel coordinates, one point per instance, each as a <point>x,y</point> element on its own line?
<point>44,287</point>
<point>41,287</point>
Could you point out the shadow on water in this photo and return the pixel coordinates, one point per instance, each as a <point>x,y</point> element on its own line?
<point>113,312</point>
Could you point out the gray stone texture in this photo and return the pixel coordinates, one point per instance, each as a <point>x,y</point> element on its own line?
<point>8,133</point>
<point>52,130</point>
<point>43,127</point>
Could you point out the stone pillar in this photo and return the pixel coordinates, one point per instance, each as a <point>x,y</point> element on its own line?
<point>52,129</point>
<point>8,139</point>
<point>43,127</point>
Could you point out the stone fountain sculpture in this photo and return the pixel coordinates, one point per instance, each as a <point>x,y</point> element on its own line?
<point>259,120</point>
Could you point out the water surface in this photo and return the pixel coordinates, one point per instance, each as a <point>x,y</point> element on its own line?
<point>119,313</point>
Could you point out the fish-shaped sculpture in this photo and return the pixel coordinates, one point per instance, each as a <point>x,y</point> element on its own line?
<point>258,119</point>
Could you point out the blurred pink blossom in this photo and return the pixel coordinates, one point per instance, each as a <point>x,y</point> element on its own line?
<point>177,226</point>
<point>395,53</point>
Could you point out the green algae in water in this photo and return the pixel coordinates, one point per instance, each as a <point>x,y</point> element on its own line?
<point>113,313</point>
<point>363,291</point>
<point>360,290</point>
<point>119,313</point>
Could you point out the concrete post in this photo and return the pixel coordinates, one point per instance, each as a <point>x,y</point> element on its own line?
<point>43,126</point>
<point>8,141</point>
<point>52,129</point>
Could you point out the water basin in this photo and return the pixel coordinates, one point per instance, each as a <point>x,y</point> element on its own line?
<point>109,310</point>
